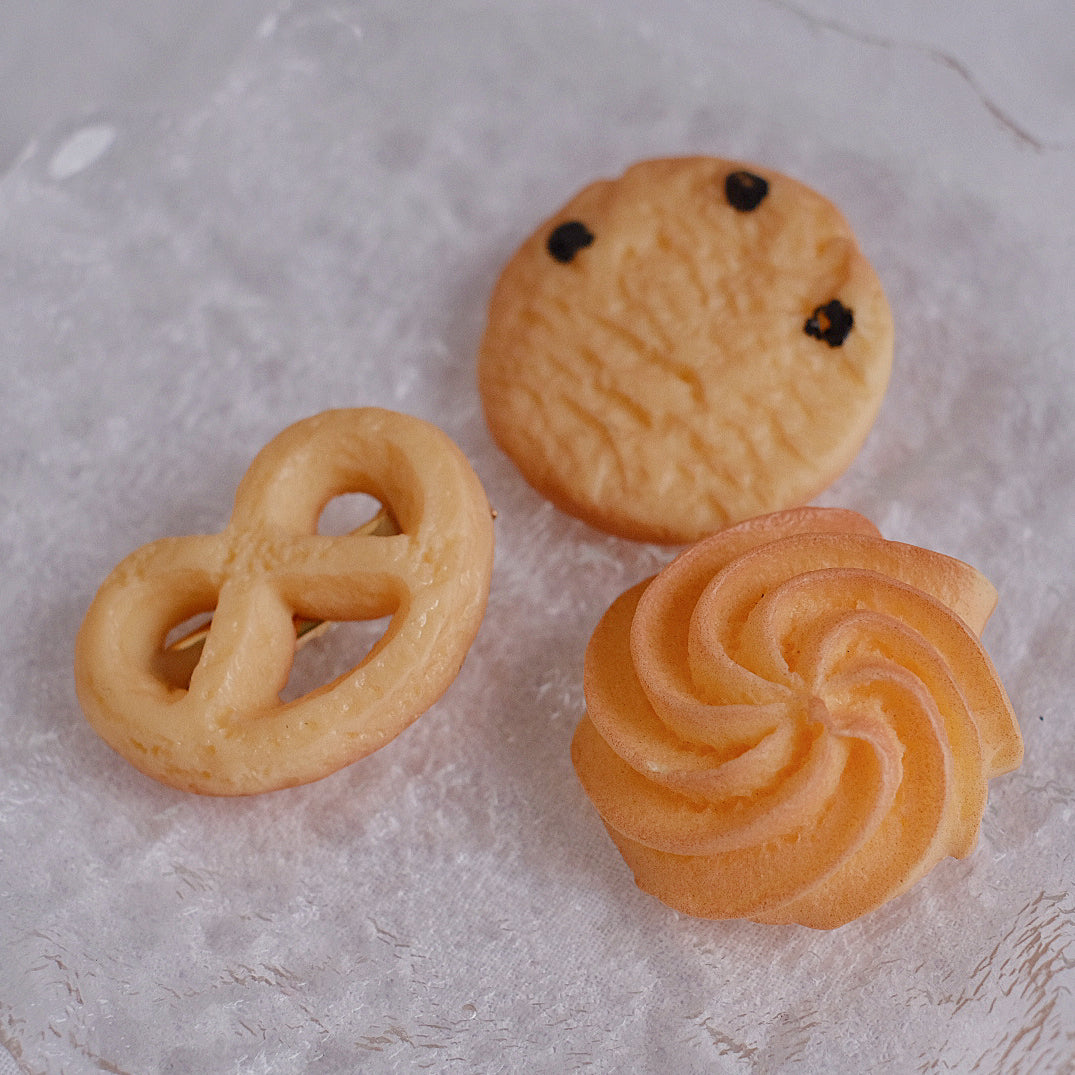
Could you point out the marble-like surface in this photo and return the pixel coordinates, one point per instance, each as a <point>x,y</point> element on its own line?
<point>214,224</point>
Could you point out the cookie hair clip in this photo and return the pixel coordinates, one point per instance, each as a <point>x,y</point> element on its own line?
<point>694,343</point>
<point>205,714</point>
<point>794,721</point>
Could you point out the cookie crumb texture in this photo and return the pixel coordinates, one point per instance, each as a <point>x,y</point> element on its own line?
<point>795,721</point>
<point>671,376</point>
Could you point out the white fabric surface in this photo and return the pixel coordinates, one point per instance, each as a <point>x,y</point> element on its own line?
<point>320,226</point>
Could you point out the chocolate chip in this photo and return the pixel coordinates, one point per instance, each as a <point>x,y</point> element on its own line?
<point>831,322</point>
<point>568,239</point>
<point>745,191</point>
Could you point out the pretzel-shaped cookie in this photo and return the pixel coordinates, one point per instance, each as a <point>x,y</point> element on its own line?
<point>228,733</point>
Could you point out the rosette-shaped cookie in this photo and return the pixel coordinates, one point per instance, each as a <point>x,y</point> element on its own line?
<point>795,720</point>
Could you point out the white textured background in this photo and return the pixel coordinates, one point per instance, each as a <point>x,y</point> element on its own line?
<point>213,223</point>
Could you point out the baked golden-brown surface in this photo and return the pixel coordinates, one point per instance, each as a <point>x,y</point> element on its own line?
<point>694,343</point>
<point>795,720</point>
<point>223,729</point>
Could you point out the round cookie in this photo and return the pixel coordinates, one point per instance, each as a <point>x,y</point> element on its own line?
<point>692,344</point>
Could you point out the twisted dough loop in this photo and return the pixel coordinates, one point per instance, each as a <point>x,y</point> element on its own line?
<point>795,720</point>
<point>228,732</point>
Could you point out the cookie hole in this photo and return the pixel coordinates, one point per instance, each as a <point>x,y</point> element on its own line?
<point>333,650</point>
<point>182,649</point>
<point>348,512</point>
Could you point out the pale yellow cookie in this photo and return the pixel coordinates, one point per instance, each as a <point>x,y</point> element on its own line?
<point>694,343</point>
<point>219,726</point>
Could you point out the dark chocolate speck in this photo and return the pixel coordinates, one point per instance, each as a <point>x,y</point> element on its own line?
<point>568,239</point>
<point>745,191</point>
<point>831,322</point>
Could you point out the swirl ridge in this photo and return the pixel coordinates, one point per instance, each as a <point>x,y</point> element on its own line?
<point>795,720</point>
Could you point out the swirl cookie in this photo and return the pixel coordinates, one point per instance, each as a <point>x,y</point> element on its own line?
<point>221,728</point>
<point>692,344</point>
<point>794,721</point>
